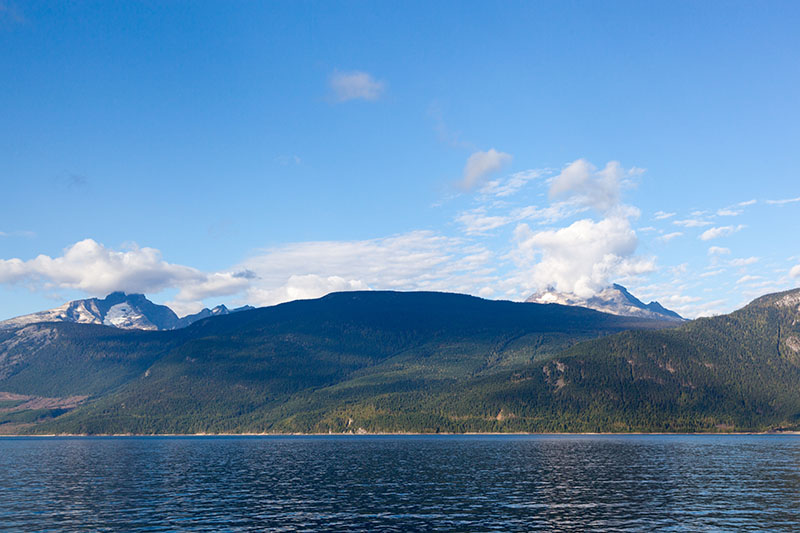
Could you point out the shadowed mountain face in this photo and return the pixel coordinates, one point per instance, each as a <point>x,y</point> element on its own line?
<point>119,310</point>
<point>384,361</point>
<point>615,300</point>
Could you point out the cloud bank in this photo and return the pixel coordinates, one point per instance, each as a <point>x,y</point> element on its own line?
<point>91,267</point>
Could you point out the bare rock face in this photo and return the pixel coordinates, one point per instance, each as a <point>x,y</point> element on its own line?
<point>615,300</point>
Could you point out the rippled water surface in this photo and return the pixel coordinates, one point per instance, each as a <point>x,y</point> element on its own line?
<point>466,483</point>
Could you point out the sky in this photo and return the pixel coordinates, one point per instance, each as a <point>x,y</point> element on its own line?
<point>260,152</point>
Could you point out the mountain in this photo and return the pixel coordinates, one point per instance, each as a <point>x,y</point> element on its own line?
<point>615,300</point>
<point>410,362</point>
<point>219,310</point>
<point>120,310</point>
<point>240,370</point>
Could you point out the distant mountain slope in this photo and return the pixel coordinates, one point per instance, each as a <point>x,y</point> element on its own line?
<point>219,310</point>
<point>218,373</point>
<point>615,300</point>
<point>120,310</point>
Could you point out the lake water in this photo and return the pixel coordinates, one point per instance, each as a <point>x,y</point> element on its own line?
<point>371,483</point>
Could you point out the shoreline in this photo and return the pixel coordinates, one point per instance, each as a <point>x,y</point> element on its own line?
<point>404,434</point>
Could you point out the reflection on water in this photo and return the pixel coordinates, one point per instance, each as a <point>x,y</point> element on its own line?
<point>468,483</point>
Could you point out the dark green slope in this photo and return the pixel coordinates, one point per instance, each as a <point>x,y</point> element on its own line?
<point>246,371</point>
<point>738,372</point>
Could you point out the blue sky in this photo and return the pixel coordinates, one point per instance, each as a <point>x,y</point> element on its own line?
<point>208,152</point>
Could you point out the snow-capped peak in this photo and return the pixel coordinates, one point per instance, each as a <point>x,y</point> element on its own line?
<point>614,299</point>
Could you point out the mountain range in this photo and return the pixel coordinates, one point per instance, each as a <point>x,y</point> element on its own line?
<point>135,311</point>
<point>379,361</point>
<point>120,310</point>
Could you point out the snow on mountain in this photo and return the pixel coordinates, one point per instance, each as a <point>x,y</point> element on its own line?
<point>120,310</point>
<point>205,313</point>
<point>615,300</point>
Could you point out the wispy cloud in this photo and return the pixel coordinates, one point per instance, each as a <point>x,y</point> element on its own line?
<point>721,231</point>
<point>18,233</point>
<point>743,261</point>
<point>662,215</point>
<point>420,260</point>
<point>355,85</point>
<point>748,279</point>
<point>480,165</point>
<point>669,236</point>
<point>718,250</point>
<point>692,223</point>
<point>784,201</point>
<point>502,188</point>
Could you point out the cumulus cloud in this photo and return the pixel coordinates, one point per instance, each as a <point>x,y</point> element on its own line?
<point>720,231</point>
<point>480,165</point>
<point>584,183</point>
<point>91,267</point>
<point>582,258</point>
<point>355,85</point>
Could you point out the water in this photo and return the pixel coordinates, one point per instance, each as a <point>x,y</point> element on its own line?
<point>466,483</point>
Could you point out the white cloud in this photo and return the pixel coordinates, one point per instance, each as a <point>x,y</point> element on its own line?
<point>718,250</point>
<point>584,184</point>
<point>90,267</point>
<point>582,258</point>
<point>216,284</point>
<point>669,236</point>
<point>482,164</point>
<point>734,210</point>
<point>746,279</point>
<point>795,271</point>
<point>784,201</point>
<point>661,215</point>
<point>721,231</point>
<point>692,223</point>
<point>711,273</point>
<point>420,260</point>
<point>477,221</point>
<point>743,261</point>
<point>503,188</point>
<point>304,288</point>
<point>355,85</point>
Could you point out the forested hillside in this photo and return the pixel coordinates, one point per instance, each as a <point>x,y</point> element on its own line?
<point>388,362</point>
